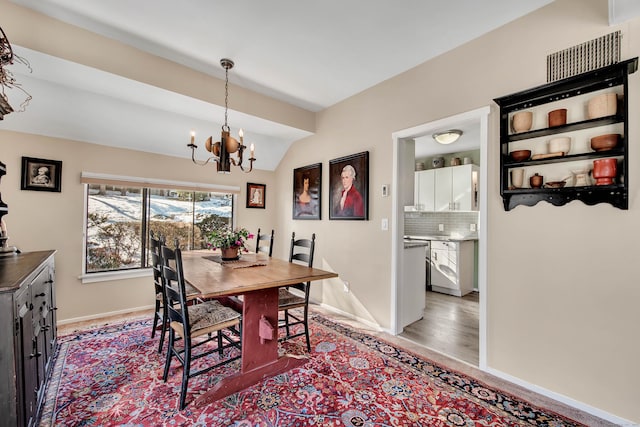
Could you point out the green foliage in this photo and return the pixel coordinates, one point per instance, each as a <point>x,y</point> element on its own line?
<point>226,238</point>
<point>113,245</point>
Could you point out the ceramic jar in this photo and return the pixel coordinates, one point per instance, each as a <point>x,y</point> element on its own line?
<point>558,117</point>
<point>535,181</point>
<point>517,178</point>
<point>522,121</point>
<point>604,171</point>
<point>437,162</point>
<point>455,161</point>
<point>605,104</point>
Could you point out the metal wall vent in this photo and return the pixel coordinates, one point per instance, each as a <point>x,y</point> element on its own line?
<point>587,56</point>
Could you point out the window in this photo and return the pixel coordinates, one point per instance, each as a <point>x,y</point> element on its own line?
<point>121,212</point>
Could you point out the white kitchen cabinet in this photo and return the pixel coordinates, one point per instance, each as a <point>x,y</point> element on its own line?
<point>412,291</point>
<point>424,188</point>
<point>452,267</point>
<point>452,188</point>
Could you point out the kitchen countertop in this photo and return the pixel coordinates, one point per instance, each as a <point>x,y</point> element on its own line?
<point>408,244</point>
<point>439,237</point>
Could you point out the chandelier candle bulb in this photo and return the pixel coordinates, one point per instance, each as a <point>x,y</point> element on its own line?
<point>241,135</point>
<point>252,150</point>
<point>193,137</point>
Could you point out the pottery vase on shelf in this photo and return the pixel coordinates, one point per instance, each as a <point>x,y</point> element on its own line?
<point>437,162</point>
<point>231,253</point>
<point>604,171</point>
<point>522,121</point>
<point>535,181</point>
<point>558,117</point>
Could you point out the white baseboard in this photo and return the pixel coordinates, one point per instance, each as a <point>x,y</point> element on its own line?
<point>102,315</point>
<point>368,323</point>
<point>562,398</point>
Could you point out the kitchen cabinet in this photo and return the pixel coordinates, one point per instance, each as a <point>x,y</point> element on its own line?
<point>452,267</point>
<point>424,188</point>
<point>452,188</point>
<point>412,291</point>
<point>28,337</point>
<point>572,94</point>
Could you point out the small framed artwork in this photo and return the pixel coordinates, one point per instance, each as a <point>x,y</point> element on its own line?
<point>41,175</point>
<point>256,195</point>
<point>349,187</point>
<point>307,188</point>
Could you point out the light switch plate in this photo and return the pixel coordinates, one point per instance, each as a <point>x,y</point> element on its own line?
<point>384,224</point>
<point>385,190</point>
<point>440,227</point>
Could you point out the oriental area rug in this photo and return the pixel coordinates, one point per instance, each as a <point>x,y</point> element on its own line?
<point>112,376</point>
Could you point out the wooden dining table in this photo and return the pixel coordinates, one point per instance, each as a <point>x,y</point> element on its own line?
<point>257,278</point>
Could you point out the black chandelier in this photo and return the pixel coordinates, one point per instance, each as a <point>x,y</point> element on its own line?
<point>227,145</point>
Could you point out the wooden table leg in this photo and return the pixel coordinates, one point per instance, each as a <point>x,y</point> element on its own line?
<point>259,360</point>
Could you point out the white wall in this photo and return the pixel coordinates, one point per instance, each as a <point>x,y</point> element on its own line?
<point>42,220</point>
<point>562,292</point>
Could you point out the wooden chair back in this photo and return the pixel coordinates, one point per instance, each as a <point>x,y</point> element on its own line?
<point>264,242</point>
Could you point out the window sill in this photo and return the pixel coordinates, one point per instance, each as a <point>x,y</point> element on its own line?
<point>115,275</point>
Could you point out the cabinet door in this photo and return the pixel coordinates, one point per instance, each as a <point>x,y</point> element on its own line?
<point>27,381</point>
<point>463,188</point>
<point>442,200</point>
<point>444,273</point>
<point>425,185</point>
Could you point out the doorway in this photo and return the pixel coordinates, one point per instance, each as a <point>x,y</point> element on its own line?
<point>404,166</point>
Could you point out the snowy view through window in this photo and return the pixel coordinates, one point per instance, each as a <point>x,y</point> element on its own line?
<point>115,218</point>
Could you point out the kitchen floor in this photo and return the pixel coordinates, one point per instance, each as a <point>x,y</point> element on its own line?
<point>450,326</point>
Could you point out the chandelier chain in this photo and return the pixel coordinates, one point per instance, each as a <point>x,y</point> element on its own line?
<point>226,97</point>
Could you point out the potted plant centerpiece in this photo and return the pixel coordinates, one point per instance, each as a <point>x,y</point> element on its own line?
<point>229,241</point>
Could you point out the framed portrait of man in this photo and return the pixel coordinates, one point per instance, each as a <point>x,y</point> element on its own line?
<point>41,175</point>
<point>307,188</point>
<point>349,187</point>
<point>256,195</point>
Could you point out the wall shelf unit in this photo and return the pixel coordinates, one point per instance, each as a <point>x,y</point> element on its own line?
<point>572,94</point>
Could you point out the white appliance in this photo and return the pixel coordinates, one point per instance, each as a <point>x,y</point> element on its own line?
<point>452,265</point>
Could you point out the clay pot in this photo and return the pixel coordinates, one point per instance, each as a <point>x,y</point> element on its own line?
<point>535,181</point>
<point>605,104</point>
<point>558,117</point>
<point>604,171</point>
<point>605,142</point>
<point>520,155</point>
<point>517,178</point>
<point>522,121</point>
<point>230,253</point>
<point>560,144</point>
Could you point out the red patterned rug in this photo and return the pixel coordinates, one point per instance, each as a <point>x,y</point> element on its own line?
<point>113,376</point>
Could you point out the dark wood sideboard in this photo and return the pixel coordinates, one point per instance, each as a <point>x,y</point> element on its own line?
<point>27,334</point>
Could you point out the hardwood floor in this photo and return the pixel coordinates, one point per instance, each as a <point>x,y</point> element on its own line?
<point>450,326</point>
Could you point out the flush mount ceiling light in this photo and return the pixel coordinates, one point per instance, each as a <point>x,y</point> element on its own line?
<point>227,144</point>
<point>447,137</point>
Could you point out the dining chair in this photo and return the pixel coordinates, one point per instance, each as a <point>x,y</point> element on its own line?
<point>297,296</point>
<point>195,325</point>
<point>160,312</point>
<point>264,242</point>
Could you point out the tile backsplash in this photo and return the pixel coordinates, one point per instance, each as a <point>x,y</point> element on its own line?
<point>453,223</point>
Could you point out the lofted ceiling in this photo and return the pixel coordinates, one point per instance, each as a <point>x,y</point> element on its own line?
<point>309,54</point>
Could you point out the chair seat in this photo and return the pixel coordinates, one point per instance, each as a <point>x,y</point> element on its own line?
<point>287,299</point>
<point>206,317</point>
